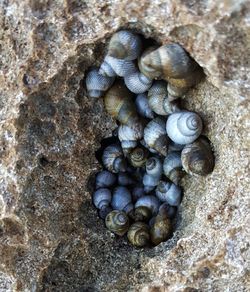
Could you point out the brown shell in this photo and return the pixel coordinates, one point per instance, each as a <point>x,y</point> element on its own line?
<point>119,227</point>
<point>138,234</point>
<point>161,229</point>
<point>138,157</point>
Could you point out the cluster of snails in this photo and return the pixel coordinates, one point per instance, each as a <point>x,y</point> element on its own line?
<point>138,192</point>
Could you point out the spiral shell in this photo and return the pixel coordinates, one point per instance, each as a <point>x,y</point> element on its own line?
<point>150,182</point>
<point>172,167</point>
<point>125,45</point>
<point>137,82</point>
<point>129,135</point>
<point>161,229</point>
<point>101,198</point>
<point>122,199</point>
<point>149,202</point>
<point>197,158</point>
<point>105,179</point>
<point>138,234</point>
<point>113,159</point>
<point>138,157</point>
<point>167,210</point>
<point>169,192</point>
<point>143,143</point>
<point>184,127</point>
<point>144,69</point>
<point>119,104</point>
<point>124,179</point>
<point>154,167</point>
<point>97,84</point>
<point>168,61</point>
<point>113,66</point>
<point>142,106</point>
<point>155,136</point>
<point>117,222</point>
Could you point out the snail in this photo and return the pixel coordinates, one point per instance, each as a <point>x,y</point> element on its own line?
<point>113,66</point>
<point>178,87</point>
<point>197,158</point>
<point>169,211</point>
<point>122,199</point>
<point>146,207</point>
<point>172,167</point>
<point>158,99</point>
<point>138,157</point>
<point>145,70</point>
<point>97,84</point>
<point>101,200</point>
<point>142,106</point>
<point>105,179</point>
<point>124,179</point>
<point>168,61</point>
<point>155,136</point>
<point>169,192</point>
<point>119,104</point>
<point>137,82</point>
<point>143,143</point>
<point>154,167</point>
<point>129,135</point>
<point>150,182</point>
<point>161,228</point>
<point>125,45</point>
<point>113,159</point>
<point>184,127</point>
<point>172,146</point>
<point>138,234</point>
<point>137,192</point>
<point>117,222</point>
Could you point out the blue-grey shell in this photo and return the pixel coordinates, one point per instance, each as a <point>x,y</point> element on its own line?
<point>97,84</point>
<point>150,182</point>
<point>154,167</point>
<point>120,67</point>
<point>142,106</point>
<point>169,192</point>
<point>172,161</point>
<point>137,192</point>
<point>137,82</point>
<point>124,179</point>
<point>113,159</point>
<point>150,202</point>
<point>102,197</point>
<point>105,179</point>
<point>122,199</point>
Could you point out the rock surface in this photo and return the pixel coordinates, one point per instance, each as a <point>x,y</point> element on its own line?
<point>50,237</point>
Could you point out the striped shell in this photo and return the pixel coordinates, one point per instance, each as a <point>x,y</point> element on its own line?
<point>154,167</point>
<point>137,82</point>
<point>172,167</point>
<point>113,159</point>
<point>184,127</point>
<point>138,157</point>
<point>138,234</point>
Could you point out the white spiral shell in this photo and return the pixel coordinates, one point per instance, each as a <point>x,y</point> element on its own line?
<point>125,45</point>
<point>142,106</point>
<point>184,127</point>
<point>137,82</point>
<point>97,84</point>
<point>120,67</point>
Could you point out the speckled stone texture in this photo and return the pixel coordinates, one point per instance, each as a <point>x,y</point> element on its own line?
<point>50,236</point>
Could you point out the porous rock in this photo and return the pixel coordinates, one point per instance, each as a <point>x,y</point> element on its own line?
<point>50,237</point>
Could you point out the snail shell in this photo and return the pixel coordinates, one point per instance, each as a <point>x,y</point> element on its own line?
<point>137,82</point>
<point>101,198</point>
<point>150,182</point>
<point>169,192</point>
<point>97,84</point>
<point>124,179</point>
<point>161,229</point>
<point>129,135</point>
<point>143,143</point>
<point>142,106</point>
<point>119,104</point>
<point>146,207</point>
<point>168,61</point>
<point>184,127</point>
<point>169,211</point>
<point>117,222</point>
<point>104,211</point>
<point>138,234</point>
<point>138,157</point>
<point>174,146</point>
<point>113,159</point>
<point>145,69</point>
<point>155,136</point>
<point>137,193</point>
<point>105,179</point>
<point>197,158</point>
<point>113,66</point>
<point>125,45</point>
<point>122,199</point>
<point>172,167</point>
<point>154,167</point>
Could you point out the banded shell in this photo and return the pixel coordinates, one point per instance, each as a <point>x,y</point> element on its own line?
<point>113,66</point>
<point>97,84</point>
<point>197,158</point>
<point>137,82</point>
<point>155,136</point>
<point>138,157</point>
<point>117,222</point>
<point>105,179</point>
<point>184,127</point>
<point>150,182</point>
<point>122,199</point>
<point>101,198</point>
<point>119,104</point>
<point>154,167</point>
<point>113,159</point>
<point>169,192</point>
<point>150,202</point>
<point>168,61</point>
<point>172,167</point>
<point>146,70</point>
<point>138,234</point>
<point>161,229</point>
<point>125,45</point>
<point>142,106</point>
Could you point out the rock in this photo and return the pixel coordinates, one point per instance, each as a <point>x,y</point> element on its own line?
<point>50,237</point>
